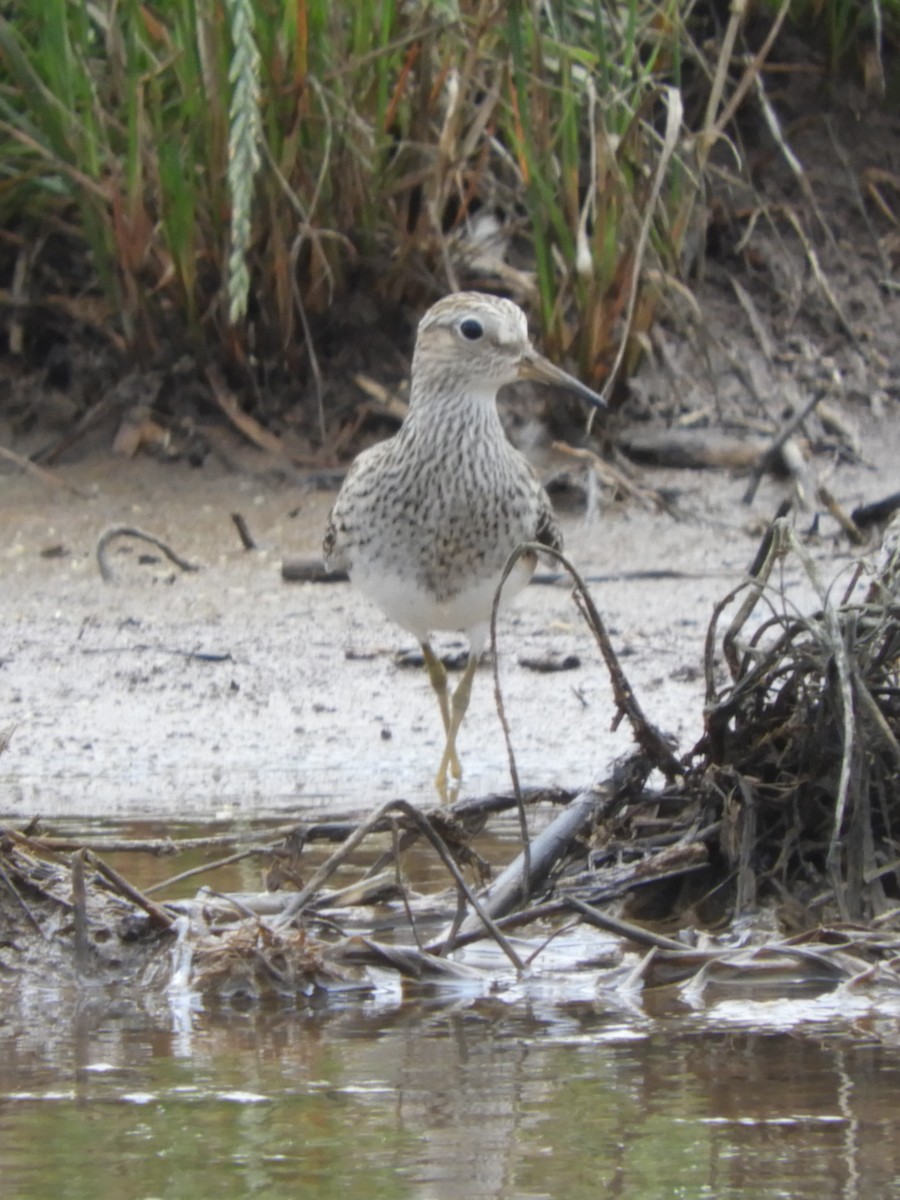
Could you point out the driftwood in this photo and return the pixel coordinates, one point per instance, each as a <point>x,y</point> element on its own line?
<point>245,944</point>
<point>310,570</point>
<point>529,873</point>
<point>692,448</point>
<point>876,513</point>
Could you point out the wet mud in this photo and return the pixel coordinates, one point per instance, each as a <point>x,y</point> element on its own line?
<point>226,692</point>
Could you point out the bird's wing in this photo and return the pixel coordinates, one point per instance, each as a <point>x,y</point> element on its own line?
<point>334,560</point>
<point>341,527</point>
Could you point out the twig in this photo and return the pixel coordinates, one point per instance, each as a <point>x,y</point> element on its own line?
<point>846,523</point>
<point>756,322</point>
<point>4,875</point>
<point>771,118</point>
<point>308,339</point>
<point>236,903</point>
<point>787,431</point>
<point>714,126</point>
<point>303,897</point>
<point>648,737</point>
<point>261,437</point>
<point>770,548</point>
<point>45,476</point>
<point>205,868</point>
<point>79,911</point>
<point>106,572</point>
<point>504,724</point>
<point>821,278</point>
<point>157,915</point>
<point>243,530</point>
<point>839,651</point>
<point>401,885</point>
<point>615,478</point>
<point>634,933</point>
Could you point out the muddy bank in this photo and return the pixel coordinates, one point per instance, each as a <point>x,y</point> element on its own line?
<point>226,691</point>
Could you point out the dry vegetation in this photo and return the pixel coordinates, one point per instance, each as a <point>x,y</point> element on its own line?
<point>252,187</point>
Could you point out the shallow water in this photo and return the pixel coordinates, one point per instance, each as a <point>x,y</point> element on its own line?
<point>435,1098</point>
<point>557,1084</point>
<point>548,1088</point>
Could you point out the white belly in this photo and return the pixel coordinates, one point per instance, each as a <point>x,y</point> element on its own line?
<point>467,611</point>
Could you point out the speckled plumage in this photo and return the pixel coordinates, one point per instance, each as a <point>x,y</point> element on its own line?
<point>426,521</point>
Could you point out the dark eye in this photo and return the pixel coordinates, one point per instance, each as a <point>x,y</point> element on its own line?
<point>471,329</point>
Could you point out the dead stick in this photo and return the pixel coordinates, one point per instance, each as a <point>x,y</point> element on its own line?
<point>789,428</point>
<point>507,738</point>
<point>401,884</point>
<point>875,513</point>
<point>157,915</point>
<point>555,908</point>
<point>303,897</point>
<point>243,530</point>
<point>79,911</point>
<point>106,572</point>
<point>462,887</point>
<point>310,570</point>
<point>634,933</point>
<point>28,913</point>
<point>207,867</point>
<point>45,476</point>
<point>32,844</point>
<point>846,523</point>
<point>514,883</point>
<point>162,847</point>
<point>646,734</point>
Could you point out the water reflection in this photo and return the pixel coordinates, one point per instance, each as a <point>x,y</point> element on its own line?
<point>427,1099</point>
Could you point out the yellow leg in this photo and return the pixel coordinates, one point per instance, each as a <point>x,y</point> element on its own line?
<point>437,673</point>
<point>450,761</point>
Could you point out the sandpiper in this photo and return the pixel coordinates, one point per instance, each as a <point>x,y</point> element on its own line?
<point>426,521</point>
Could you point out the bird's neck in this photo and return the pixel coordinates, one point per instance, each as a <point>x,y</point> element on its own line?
<point>450,413</point>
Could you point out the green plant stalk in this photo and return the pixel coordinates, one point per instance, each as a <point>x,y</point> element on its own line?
<point>144,127</point>
<point>245,137</point>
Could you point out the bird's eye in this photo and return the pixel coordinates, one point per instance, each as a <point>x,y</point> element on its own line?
<point>471,329</point>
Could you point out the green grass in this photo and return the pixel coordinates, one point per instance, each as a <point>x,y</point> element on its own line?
<point>218,170</point>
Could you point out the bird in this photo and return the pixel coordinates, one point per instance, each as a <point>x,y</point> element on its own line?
<point>426,521</point>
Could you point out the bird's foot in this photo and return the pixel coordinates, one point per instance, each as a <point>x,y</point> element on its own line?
<point>450,763</point>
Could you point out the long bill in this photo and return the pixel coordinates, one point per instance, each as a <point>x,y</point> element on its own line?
<point>534,366</point>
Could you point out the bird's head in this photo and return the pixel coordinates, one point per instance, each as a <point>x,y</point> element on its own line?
<point>482,343</point>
